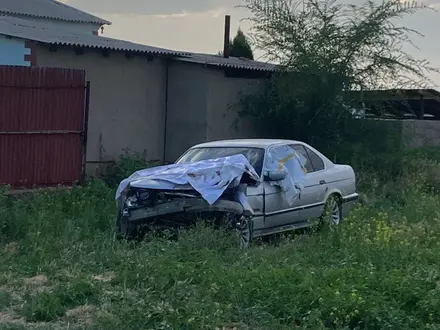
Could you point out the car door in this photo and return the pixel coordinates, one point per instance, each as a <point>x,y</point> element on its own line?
<point>277,210</point>
<point>315,185</point>
<point>255,197</point>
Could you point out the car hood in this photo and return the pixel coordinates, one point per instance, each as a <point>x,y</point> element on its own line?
<point>158,185</point>
<point>209,177</point>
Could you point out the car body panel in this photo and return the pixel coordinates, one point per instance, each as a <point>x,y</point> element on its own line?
<point>188,205</point>
<point>156,184</point>
<point>255,196</point>
<point>349,202</point>
<point>313,195</point>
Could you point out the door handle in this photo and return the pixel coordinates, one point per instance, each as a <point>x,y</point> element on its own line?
<point>322,182</point>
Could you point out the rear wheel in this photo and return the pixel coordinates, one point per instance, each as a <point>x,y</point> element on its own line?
<point>332,211</point>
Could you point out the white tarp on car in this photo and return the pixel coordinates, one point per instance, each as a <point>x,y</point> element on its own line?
<point>286,159</point>
<point>208,177</point>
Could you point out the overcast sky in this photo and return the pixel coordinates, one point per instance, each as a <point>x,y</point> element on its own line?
<point>197,25</point>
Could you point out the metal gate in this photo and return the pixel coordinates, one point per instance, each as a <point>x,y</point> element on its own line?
<point>43,126</point>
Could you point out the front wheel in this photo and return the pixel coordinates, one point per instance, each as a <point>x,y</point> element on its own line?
<point>243,231</point>
<point>125,229</point>
<point>332,211</point>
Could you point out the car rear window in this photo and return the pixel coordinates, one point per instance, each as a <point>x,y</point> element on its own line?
<point>317,162</point>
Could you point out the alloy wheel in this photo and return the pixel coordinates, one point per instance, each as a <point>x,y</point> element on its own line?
<point>243,232</point>
<point>332,213</point>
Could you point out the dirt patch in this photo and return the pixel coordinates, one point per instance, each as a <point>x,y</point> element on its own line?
<point>37,283</point>
<point>16,321</point>
<point>36,280</point>
<point>14,295</point>
<point>233,326</point>
<point>106,277</point>
<point>82,314</point>
<point>8,318</point>
<point>11,248</point>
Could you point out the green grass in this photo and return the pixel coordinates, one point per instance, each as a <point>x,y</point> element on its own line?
<point>61,267</point>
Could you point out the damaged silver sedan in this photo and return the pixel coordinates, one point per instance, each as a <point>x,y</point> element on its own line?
<point>256,187</point>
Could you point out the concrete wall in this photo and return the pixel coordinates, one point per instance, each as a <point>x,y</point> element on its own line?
<point>413,133</point>
<point>127,104</point>
<point>188,87</point>
<point>13,51</point>
<point>203,105</point>
<point>421,133</point>
<point>223,121</point>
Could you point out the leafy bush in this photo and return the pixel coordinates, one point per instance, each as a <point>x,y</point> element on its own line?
<point>128,163</point>
<point>328,53</point>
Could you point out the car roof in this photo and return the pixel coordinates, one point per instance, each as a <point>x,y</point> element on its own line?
<point>253,143</point>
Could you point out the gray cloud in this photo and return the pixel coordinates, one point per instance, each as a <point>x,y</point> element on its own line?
<point>430,2</point>
<point>150,7</point>
<point>164,7</point>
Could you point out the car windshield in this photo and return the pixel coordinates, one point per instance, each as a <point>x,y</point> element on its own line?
<point>255,156</point>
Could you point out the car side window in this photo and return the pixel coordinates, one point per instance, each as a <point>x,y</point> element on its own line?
<point>268,162</point>
<point>299,148</point>
<point>317,162</point>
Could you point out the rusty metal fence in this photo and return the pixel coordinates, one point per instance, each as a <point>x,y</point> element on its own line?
<point>43,126</point>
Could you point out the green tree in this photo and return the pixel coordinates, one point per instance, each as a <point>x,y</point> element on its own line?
<point>325,49</point>
<point>240,46</point>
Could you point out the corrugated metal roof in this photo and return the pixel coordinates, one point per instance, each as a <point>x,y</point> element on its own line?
<point>48,9</point>
<point>230,62</point>
<point>24,29</point>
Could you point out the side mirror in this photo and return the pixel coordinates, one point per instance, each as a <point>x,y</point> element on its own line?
<point>275,175</point>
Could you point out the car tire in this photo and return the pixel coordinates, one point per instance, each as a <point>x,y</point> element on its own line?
<point>243,231</point>
<point>125,229</point>
<point>332,214</point>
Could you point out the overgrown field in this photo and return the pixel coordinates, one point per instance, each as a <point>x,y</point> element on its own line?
<point>61,268</point>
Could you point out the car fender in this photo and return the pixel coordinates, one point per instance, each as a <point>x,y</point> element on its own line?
<point>333,191</point>
<point>349,175</point>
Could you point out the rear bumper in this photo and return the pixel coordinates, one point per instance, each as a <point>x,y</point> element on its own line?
<point>349,202</point>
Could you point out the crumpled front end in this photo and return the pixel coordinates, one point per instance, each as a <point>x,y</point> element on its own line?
<point>172,209</point>
<point>180,195</point>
